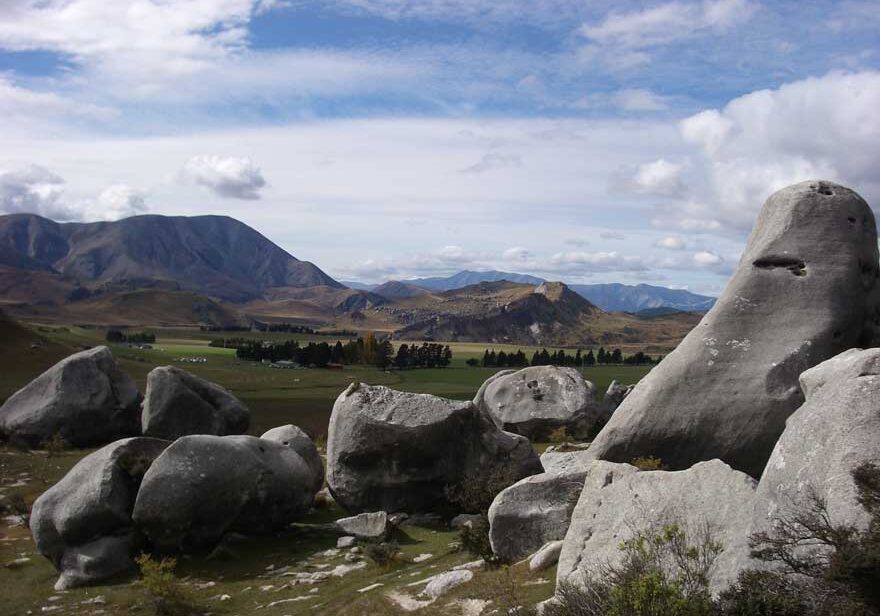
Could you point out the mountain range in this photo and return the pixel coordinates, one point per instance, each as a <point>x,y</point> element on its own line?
<point>217,271</point>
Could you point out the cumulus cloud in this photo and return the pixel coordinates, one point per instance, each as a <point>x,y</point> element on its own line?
<point>595,262</point>
<point>818,128</point>
<point>117,201</point>
<point>660,177</point>
<point>670,243</point>
<point>34,190</point>
<point>234,178</point>
<point>707,259</point>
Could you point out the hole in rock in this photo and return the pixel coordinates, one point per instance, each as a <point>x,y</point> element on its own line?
<point>851,220</point>
<point>822,189</point>
<point>794,265</point>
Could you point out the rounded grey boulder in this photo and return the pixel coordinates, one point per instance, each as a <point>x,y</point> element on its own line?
<point>203,486</point>
<point>395,451</point>
<point>805,290</point>
<point>178,403</point>
<point>295,438</point>
<point>86,399</point>
<point>536,401</point>
<point>83,523</point>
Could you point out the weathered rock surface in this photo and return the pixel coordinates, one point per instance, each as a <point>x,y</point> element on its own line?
<point>537,510</point>
<point>86,399</point>
<point>546,557</point>
<point>618,501</point>
<point>203,486</point>
<point>178,403</point>
<point>836,430</point>
<point>804,291</point>
<point>396,451</point>
<point>536,401</point>
<point>614,397</point>
<point>295,438</point>
<point>82,524</point>
<point>373,525</point>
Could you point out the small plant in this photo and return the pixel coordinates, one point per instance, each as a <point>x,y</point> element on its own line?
<point>648,463</point>
<point>14,504</point>
<point>560,435</point>
<point>167,595</point>
<point>55,445</point>
<point>473,537</point>
<point>475,492</point>
<point>385,553</point>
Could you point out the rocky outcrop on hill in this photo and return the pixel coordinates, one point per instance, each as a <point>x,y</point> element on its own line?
<point>537,510</point>
<point>83,524</point>
<point>536,401</point>
<point>295,438</point>
<point>395,451</point>
<point>805,290</point>
<point>85,399</point>
<point>178,403</point>
<point>203,486</point>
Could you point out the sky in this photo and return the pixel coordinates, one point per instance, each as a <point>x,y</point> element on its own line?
<point>584,141</point>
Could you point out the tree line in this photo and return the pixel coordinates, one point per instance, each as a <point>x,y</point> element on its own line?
<point>117,336</point>
<point>367,350</point>
<point>491,359</point>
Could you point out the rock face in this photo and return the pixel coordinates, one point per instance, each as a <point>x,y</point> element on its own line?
<point>614,397</point>
<point>178,403</point>
<point>203,486</point>
<point>804,291</point>
<point>295,438</point>
<point>618,501</point>
<point>83,523</point>
<point>373,525</point>
<point>396,451</point>
<point>84,398</point>
<point>537,400</point>
<point>537,510</point>
<point>836,430</point>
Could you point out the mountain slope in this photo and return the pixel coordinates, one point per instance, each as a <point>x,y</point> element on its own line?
<point>215,255</point>
<point>394,289</point>
<point>466,278</point>
<point>617,297</point>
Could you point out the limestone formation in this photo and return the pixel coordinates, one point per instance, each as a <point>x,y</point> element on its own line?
<point>614,397</point>
<point>619,501</point>
<point>537,510</point>
<point>805,290</point>
<point>85,399</point>
<point>536,401</point>
<point>295,438</point>
<point>178,403</point>
<point>203,486</point>
<point>82,524</point>
<point>396,451</point>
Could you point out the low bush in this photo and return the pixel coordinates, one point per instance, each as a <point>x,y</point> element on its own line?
<point>473,537</point>
<point>648,463</point>
<point>167,595</point>
<point>384,553</point>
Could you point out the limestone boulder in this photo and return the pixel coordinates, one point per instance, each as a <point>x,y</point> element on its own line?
<point>395,451</point>
<point>537,510</point>
<point>804,291</point>
<point>296,438</point>
<point>614,397</point>
<point>618,501</point>
<point>537,400</point>
<point>178,403</point>
<point>86,399</point>
<point>83,524</point>
<point>203,486</point>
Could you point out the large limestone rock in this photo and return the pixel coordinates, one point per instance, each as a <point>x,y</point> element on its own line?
<point>86,399</point>
<point>83,523</point>
<point>295,438</point>
<point>805,290</point>
<point>537,400</point>
<point>394,451</point>
<point>614,397</point>
<point>836,430</point>
<point>619,501</point>
<point>203,486</point>
<point>178,403</point>
<point>537,510</point>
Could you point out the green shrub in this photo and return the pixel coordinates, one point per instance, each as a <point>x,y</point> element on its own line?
<point>384,553</point>
<point>648,463</point>
<point>473,537</point>
<point>165,592</point>
<point>663,573</point>
<point>55,445</point>
<point>475,492</point>
<point>560,435</point>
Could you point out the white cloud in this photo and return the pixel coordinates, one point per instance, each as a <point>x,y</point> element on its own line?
<point>671,243</point>
<point>35,190</point>
<point>595,261</point>
<point>235,178</point>
<point>17,102</point>
<point>707,259</point>
<point>817,128</point>
<point>517,253</point>
<point>493,160</point>
<point>117,201</point>
<point>660,177</point>
<point>612,235</point>
<point>665,23</point>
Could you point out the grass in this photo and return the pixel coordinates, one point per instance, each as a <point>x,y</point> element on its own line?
<point>275,397</point>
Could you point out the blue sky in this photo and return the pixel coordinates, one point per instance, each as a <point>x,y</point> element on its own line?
<point>587,141</point>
